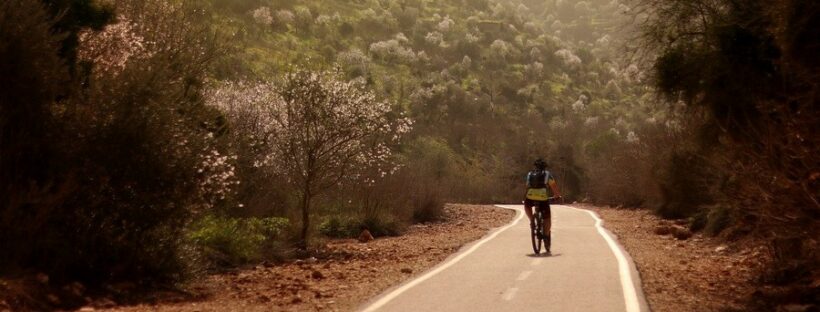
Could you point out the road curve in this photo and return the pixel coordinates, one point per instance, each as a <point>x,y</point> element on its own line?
<point>588,271</point>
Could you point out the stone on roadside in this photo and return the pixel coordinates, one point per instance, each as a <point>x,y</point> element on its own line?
<point>796,308</point>
<point>317,275</point>
<point>365,236</point>
<point>42,278</point>
<point>663,229</point>
<point>76,289</point>
<point>681,233</point>
<point>53,299</point>
<point>721,248</point>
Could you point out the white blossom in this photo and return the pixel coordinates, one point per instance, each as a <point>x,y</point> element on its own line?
<point>569,58</point>
<point>631,137</point>
<point>434,37</point>
<point>113,47</point>
<point>262,15</point>
<point>445,24</point>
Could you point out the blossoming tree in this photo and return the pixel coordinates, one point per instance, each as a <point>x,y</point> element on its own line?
<point>319,131</point>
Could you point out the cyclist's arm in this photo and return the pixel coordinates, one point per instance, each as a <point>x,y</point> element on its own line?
<point>556,192</point>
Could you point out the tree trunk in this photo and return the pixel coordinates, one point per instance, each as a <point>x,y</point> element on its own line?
<point>303,243</point>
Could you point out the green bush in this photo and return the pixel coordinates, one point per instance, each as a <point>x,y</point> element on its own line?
<point>231,241</point>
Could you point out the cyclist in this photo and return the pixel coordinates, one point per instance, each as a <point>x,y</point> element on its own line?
<point>541,187</point>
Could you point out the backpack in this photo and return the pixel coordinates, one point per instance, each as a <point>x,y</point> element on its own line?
<point>537,179</point>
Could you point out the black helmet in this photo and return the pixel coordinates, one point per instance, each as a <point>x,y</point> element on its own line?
<point>540,164</point>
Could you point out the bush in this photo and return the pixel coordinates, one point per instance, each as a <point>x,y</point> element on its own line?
<point>686,188</point>
<point>232,241</point>
<point>712,219</point>
<point>102,158</point>
<point>428,207</point>
<point>348,227</point>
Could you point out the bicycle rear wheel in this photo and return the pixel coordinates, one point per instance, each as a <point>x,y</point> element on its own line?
<point>536,230</point>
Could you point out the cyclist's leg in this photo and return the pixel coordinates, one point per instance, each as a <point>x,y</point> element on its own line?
<point>528,208</point>
<point>547,213</point>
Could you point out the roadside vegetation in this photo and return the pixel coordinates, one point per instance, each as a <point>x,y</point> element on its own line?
<point>147,141</point>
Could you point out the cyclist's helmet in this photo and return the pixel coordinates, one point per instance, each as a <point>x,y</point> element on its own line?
<point>540,164</point>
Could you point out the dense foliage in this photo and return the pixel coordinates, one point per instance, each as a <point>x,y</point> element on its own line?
<point>749,72</point>
<point>498,83</point>
<point>91,187</point>
<point>131,142</point>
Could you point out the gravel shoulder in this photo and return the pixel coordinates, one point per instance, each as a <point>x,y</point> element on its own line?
<point>346,275</point>
<point>700,273</point>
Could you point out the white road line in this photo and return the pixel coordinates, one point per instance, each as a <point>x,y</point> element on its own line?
<point>398,291</point>
<point>536,262</point>
<point>523,275</point>
<point>510,293</point>
<point>630,292</point>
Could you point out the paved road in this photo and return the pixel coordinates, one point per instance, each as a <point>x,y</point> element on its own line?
<point>587,271</point>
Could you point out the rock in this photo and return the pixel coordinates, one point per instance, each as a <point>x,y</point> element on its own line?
<point>795,308</point>
<point>365,236</point>
<point>105,303</point>
<point>311,260</point>
<point>123,287</point>
<point>681,233</point>
<point>317,275</point>
<point>53,299</point>
<point>663,229</point>
<point>42,278</point>
<point>721,248</point>
<point>76,288</point>
<point>86,309</point>
<point>407,270</point>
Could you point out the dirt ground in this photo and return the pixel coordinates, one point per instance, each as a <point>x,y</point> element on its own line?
<point>341,279</point>
<point>696,274</point>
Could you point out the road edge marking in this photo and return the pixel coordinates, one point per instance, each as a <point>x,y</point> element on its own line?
<point>624,270</point>
<point>401,289</point>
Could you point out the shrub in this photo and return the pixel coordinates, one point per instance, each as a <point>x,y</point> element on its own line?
<point>350,227</point>
<point>232,241</point>
<point>427,207</point>
<point>685,188</point>
<point>118,166</point>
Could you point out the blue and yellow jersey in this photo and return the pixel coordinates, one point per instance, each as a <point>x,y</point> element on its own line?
<point>540,193</point>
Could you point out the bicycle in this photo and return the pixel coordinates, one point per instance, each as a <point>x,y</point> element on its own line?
<point>537,229</point>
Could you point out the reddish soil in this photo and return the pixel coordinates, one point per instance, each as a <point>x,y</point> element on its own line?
<point>696,274</point>
<point>343,277</point>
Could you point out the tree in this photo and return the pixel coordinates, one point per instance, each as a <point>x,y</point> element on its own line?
<point>324,129</point>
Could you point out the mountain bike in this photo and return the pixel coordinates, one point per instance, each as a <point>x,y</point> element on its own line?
<point>537,229</point>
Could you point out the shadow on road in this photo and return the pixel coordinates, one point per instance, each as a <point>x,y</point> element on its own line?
<point>543,255</point>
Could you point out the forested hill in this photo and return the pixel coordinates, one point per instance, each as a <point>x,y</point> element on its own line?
<point>495,83</point>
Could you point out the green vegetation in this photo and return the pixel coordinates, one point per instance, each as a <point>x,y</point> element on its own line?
<point>137,136</point>
<point>232,241</point>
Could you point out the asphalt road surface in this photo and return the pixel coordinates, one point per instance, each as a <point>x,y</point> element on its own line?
<point>587,271</point>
